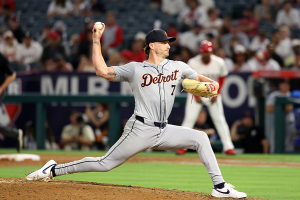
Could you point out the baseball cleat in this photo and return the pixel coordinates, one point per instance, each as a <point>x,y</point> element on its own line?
<point>230,152</point>
<point>181,152</point>
<point>43,174</point>
<point>227,192</point>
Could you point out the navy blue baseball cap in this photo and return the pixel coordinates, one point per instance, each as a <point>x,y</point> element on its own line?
<point>158,35</point>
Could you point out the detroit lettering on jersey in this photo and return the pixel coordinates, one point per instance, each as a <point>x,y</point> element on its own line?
<point>149,79</point>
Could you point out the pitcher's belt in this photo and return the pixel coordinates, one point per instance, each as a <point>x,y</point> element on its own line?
<point>158,124</point>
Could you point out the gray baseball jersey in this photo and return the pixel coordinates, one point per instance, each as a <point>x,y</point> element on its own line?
<point>154,92</point>
<point>154,86</point>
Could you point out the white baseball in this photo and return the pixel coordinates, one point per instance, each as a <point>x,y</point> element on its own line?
<point>99,25</point>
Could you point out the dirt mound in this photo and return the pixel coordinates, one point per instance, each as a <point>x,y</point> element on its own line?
<point>18,188</point>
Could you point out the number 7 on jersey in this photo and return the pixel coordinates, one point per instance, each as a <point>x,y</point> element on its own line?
<point>173,86</point>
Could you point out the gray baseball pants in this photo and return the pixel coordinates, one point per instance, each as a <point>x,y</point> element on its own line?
<point>137,137</point>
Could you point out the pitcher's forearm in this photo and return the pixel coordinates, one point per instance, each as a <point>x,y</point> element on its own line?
<point>98,60</point>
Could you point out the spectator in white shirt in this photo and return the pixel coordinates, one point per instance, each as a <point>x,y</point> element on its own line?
<point>29,51</point>
<point>239,59</point>
<point>9,46</point>
<point>60,7</point>
<point>193,12</point>
<point>288,16</point>
<point>213,23</point>
<point>192,39</point>
<point>262,61</point>
<point>172,7</point>
<point>234,37</point>
<point>284,47</point>
<point>260,41</point>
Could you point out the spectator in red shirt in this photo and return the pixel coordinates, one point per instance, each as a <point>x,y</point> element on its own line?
<point>113,35</point>
<point>126,56</point>
<point>248,24</point>
<point>11,3</point>
<point>137,48</point>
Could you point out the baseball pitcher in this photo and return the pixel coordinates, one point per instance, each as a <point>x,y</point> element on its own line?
<point>153,83</point>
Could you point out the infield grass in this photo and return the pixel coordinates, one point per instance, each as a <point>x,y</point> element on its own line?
<point>261,182</point>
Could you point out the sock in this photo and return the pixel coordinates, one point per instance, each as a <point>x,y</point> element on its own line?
<point>53,171</point>
<point>220,185</point>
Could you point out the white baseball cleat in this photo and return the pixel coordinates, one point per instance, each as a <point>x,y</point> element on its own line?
<point>227,192</point>
<point>43,174</point>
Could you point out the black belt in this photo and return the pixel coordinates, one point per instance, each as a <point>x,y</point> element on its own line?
<point>158,124</point>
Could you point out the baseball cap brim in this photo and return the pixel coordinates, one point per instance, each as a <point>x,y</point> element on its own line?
<point>158,35</point>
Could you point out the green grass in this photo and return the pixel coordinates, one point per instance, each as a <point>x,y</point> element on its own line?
<point>261,182</point>
<point>254,157</point>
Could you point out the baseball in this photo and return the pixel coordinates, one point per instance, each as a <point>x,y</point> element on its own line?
<point>99,25</point>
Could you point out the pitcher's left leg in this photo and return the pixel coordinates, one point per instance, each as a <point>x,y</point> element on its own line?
<point>178,137</point>
<point>217,115</point>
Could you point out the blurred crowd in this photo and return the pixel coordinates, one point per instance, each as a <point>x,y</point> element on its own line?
<point>241,42</point>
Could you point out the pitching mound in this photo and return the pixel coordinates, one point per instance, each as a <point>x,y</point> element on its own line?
<point>18,188</point>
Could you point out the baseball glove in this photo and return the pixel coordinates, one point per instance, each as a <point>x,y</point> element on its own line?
<point>201,89</point>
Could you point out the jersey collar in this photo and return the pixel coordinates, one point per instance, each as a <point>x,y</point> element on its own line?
<point>153,65</point>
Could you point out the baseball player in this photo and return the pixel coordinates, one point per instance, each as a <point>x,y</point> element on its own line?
<point>153,83</point>
<point>213,67</point>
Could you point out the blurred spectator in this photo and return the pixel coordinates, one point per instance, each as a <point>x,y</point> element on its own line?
<point>174,52</point>
<point>58,63</point>
<point>262,61</point>
<point>213,23</point>
<point>296,49</point>
<point>86,45</point>
<point>97,7</point>
<point>11,3</point>
<point>10,46</point>
<point>192,13</point>
<point>248,24</point>
<point>50,143</point>
<point>99,118</point>
<point>260,41</point>
<point>88,26</point>
<point>172,7</point>
<point>53,48</point>
<point>113,35</point>
<point>74,48</point>
<point>81,7</point>
<point>296,64</point>
<point>288,16</point>
<point>284,47</point>
<point>263,11</point>
<point>207,4</point>
<point>86,63</point>
<point>43,39</point>
<point>137,48</point>
<point>252,137</point>
<point>240,59</point>
<point>234,37</point>
<point>14,24</point>
<point>4,18</point>
<point>77,135</point>
<point>114,59</point>
<point>29,51</point>
<point>192,39</point>
<point>60,8</point>
<point>275,7</point>
<point>296,5</point>
<point>185,54</point>
<point>61,28</point>
<point>225,29</point>
<point>221,53</point>
<point>274,55</point>
<point>126,56</point>
<point>202,125</point>
<point>284,90</point>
